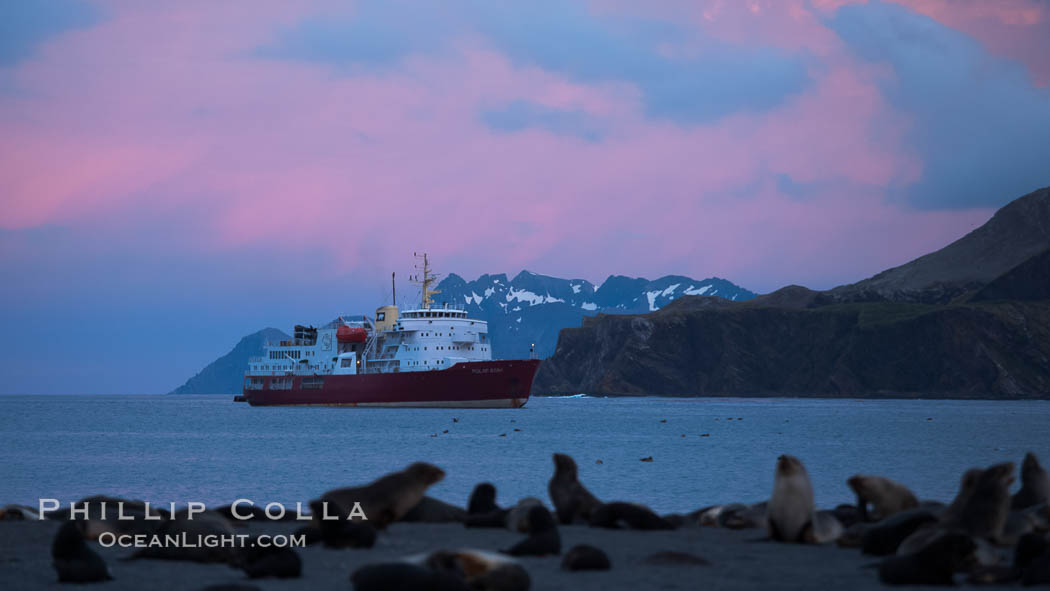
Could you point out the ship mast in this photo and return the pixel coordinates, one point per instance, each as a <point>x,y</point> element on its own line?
<point>425,280</point>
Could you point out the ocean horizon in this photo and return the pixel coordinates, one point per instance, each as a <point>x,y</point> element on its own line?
<point>205,448</point>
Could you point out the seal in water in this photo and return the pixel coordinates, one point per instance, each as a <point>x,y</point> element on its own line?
<point>935,564</point>
<point>73,560</point>
<point>585,557</point>
<point>1035,484</point>
<point>387,499</point>
<point>543,538</point>
<point>886,496</point>
<point>571,500</point>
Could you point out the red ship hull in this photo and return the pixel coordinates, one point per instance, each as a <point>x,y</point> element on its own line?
<point>475,384</point>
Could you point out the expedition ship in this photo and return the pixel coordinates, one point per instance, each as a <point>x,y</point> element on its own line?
<point>426,357</point>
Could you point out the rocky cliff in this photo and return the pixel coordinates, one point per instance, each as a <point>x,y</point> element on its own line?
<point>971,320</point>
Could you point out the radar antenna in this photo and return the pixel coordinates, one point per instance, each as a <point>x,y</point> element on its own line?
<point>425,280</point>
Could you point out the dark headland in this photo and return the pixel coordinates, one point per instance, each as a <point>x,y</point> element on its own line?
<point>971,320</point>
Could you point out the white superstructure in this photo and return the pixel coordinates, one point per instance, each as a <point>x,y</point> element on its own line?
<point>423,339</point>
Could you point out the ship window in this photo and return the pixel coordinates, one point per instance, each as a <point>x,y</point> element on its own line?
<point>347,363</point>
<point>380,316</point>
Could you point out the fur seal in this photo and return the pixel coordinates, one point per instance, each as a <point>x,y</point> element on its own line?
<point>886,496</point>
<point>18,513</point>
<point>936,564</point>
<point>258,561</point>
<point>985,512</point>
<point>208,523</point>
<point>517,518</point>
<point>967,486</point>
<point>885,537</point>
<point>1035,484</point>
<point>480,570</point>
<point>543,536</point>
<point>790,513</point>
<point>103,516</point>
<point>482,499</point>
<point>404,577</point>
<point>1032,559</point>
<point>387,499</point>
<point>631,515</point>
<point>571,500</point>
<point>340,532</point>
<point>585,557</point>
<point>73,560</point>
<point>431,510</point>
<point>482,510</point>
<point>673,558</point>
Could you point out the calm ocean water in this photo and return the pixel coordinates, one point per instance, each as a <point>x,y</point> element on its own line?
<point>207,448</point>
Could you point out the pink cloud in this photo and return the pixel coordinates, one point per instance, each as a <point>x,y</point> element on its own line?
<point>164,110</point>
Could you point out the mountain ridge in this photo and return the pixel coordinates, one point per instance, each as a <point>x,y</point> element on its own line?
<point>971,320</point>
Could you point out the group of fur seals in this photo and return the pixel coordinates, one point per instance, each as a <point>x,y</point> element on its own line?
<point>572,501</point>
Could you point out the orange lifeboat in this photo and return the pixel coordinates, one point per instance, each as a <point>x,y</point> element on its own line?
<point>350,334</point>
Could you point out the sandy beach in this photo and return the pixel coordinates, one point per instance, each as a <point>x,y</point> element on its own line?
<point>738,560</point>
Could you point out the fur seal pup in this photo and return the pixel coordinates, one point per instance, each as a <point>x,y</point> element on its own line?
<point>885,537</point>
<point>73,560</point>
<point>631,515</point>
<point>431,510</point>
<point>571,500</point>
<point>985,512</point>
<point>790,513</point>
<point>543,536</point>
<point>585,557</point>
<point>1035,484</point>
<point>340,532</point>
<point>886,496</point>
<point>936,564</point>
<point>258,561</point>
<point>387,499</point>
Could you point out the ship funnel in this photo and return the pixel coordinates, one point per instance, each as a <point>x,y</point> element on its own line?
<point>386,318</point>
